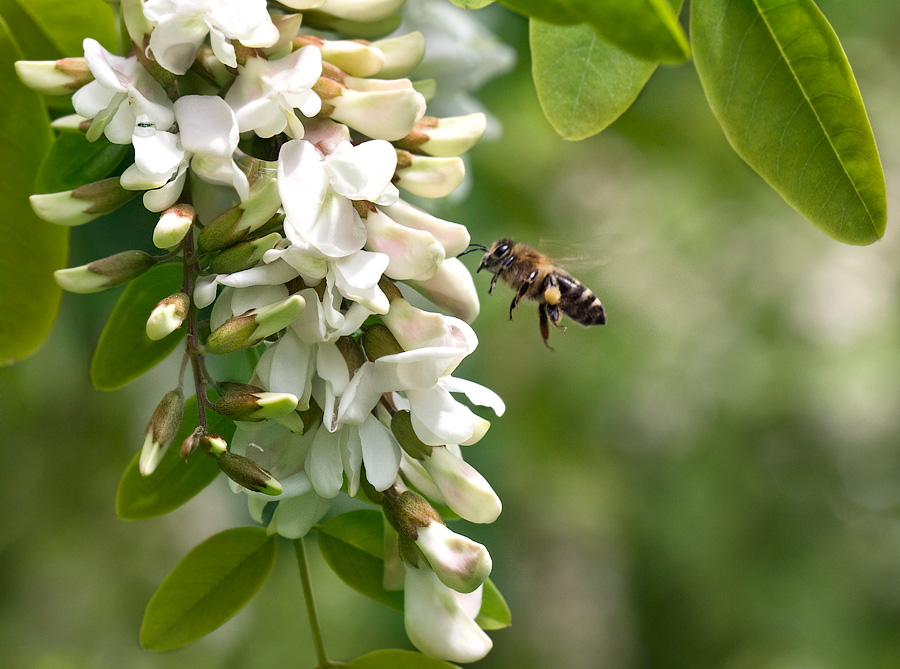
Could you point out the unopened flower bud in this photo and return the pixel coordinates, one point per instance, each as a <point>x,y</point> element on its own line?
<point>429,177</point>
<point>408,512</point>
<point>106,273</point>
<point>444,137</point>
<point>255,406</point>
<point>413,254</point>
<point>243,255</point>
<point>213,444</point>
<point>452,236</point>
<point>452,289</point>
<point>387,112</point>
<point>71,123</point>
<point>253,326</point>
<point>354,58</point>
<point>463,488</point>
<point>234,225</point>
<point>161,430</point>
<point>173,225</point>
<point>82,204</point>
<point>248,474</point>
<point>167,316</point>
<point>378,341</point>
<point>401,54</point>
<point>60,77</point>
<point>401,426</point>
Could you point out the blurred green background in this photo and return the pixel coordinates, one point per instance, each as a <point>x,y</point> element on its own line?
<point>710,480</point>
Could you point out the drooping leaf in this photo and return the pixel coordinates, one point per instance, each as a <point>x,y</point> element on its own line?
<point>73,161</point>
<point>174,481</point>
<point>398,659</point>
<point>778,82</point>
<point>583,82</point>
<point>647,29</point>
<point>124,350</point>
<point>211,584</point>
<point>495,613</point>
<point>65,24</point>
<point>549,11</point>
<point>32,249</point>
<point>352,545</point>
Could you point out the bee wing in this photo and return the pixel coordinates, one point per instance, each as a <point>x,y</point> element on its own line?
<point>573,256</point>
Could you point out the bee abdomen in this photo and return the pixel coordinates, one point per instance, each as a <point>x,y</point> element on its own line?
<point>579,303</point>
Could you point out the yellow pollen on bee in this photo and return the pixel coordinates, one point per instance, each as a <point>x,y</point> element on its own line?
<point>551,295</point>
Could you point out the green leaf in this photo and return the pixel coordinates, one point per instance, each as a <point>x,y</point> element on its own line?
<point>212,583</point>
<point>32,249</point>
<point>550,11</point>
<point>647,29</point>
<point>495,613</point>
<point>352,544</point>
<point>583,82</point>
<point>780,85</point>
<point>472,4</point>
<point>73,161</point>
<point>398,659</point>
<point>64,24</point>
<point>174,481</point>
<point>124,351</point>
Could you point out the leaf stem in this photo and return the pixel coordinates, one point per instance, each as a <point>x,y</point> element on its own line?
<point>303,565</point>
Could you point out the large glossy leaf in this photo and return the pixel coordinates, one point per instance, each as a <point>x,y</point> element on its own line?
<point>352,544</point>
<point>174,481</point>
<point>647,29</point>
<point>583,82</point>
<point>398,659</point>
<point>31,249</point>
<point>73,161</point>
<point>550,11</point>
<point>63,24</point>
<point>124,350</point>
<point>780,86</point>
<point>212,583</point>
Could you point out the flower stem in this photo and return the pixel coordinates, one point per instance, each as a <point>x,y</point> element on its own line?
<point>303,565</point>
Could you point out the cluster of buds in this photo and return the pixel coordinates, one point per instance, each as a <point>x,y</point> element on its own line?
<point>278,162</point>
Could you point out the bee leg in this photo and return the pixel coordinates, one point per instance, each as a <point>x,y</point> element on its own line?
<point>519,293</point>
<point>553,313</point>
<point>545,325</point>
<point>493,282</point>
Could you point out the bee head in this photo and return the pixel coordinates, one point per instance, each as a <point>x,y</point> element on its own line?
<point>496,254</point>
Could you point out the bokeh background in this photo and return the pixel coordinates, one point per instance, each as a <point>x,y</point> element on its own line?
<point>710,480</point>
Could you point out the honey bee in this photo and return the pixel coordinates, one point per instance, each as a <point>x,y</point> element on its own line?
<point>534,276</point>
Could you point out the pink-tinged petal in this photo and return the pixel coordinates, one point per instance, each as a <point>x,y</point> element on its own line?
<point>452,236</point>
<point>414,254</point>
<point>381,453</point>
<point>459,562</point>
<point>436,622</point>
<point>361,172</point>
<point>452,289</point>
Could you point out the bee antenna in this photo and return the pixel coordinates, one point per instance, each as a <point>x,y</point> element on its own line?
<point>474,247</point>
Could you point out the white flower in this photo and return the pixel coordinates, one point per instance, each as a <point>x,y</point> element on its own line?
<point>440,621</point>
<point>209,132</point>
<point>464,490</point>
<point>182,25</point>
<point>316,191</point>
<point>459,562</point>
<point>122,99</point>
<point>266,92</point>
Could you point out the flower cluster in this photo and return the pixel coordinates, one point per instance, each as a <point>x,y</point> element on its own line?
<point>278,160</point>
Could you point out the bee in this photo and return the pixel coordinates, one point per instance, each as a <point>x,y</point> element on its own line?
<point>534,276</point>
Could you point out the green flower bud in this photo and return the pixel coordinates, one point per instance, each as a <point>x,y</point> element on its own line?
<point>445,137</point>
<point>401,426</point>
<point>105,273</point>
<point>60,77</point>
<point>235,224</point>
<point>247,473</point>
<point>161,430</point>
<point>255,406</point>
<point>167,316</point>
<point>401,54</point>
<point>254,325</point>
<point>378,341</point>
<point>83,204</point>
<point>409,511</point>
<point>243,255</point>
<point>173,225</point>
<point>213,444</point>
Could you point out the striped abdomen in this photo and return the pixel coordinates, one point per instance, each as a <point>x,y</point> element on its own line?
<point>577,301</point>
